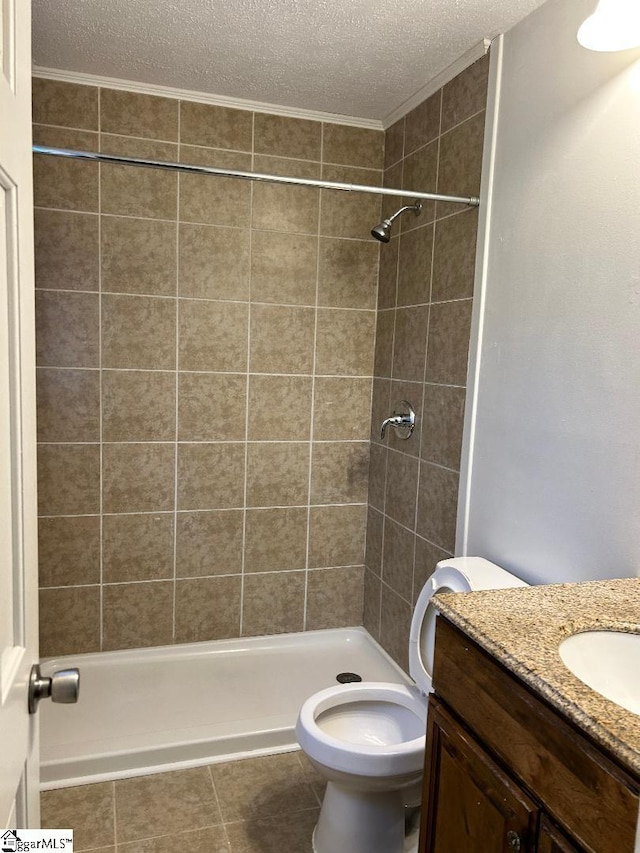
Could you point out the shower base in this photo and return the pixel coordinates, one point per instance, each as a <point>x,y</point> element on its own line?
<point>152,710</point>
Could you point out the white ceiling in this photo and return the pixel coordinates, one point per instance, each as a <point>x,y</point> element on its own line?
<point>358,58</point>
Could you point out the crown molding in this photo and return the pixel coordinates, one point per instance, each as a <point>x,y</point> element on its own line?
<point>201,97</point>
<point>451,71</point>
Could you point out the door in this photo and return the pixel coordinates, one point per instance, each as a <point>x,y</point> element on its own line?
<point>472,806</point>
<point>19,795</point>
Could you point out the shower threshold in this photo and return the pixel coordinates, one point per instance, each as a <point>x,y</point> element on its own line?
<point>152,710</point>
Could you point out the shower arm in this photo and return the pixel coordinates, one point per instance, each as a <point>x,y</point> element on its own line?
<point>417,209</point>
<point>189,168</point>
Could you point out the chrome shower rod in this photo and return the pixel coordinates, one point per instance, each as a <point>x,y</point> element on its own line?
<point>188,168</point>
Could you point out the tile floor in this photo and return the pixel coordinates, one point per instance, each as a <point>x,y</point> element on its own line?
<point>268,804</point>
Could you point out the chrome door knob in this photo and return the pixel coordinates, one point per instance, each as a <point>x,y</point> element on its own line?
<point>63,686</point>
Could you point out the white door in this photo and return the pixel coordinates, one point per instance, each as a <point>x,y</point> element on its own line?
<point>19,795</point>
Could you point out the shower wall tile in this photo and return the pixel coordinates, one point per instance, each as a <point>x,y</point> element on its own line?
<point>215,127</point>
<point>66,250</point>
<point>76,628</point>
<point>214,262</point>
<point>287,137</point>
<point>209,543</point>
<point>425,294</point>
<point>69,550</point>
<point>195,335</point>
<point>137,547</point>
<point>138,256</point>
<point>133,114</point>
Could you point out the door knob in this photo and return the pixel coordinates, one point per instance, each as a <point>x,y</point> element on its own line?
<point>63,686</point>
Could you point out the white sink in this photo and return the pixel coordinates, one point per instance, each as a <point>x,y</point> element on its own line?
<point>608,662</point>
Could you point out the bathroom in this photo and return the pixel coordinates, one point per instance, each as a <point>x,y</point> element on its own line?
<point>342,528</point>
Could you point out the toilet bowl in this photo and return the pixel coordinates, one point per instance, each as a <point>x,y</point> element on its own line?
<point>368,739</point>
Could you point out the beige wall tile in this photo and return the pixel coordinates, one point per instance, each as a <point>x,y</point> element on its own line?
<point>61,183</point>
<point>134,114</point>
<point>137,547</point>
<point>339,472</point>
<point>345,342</point>
<point>373,545</point>
<point>65,104</point>
<point>336,535</point>
<point>127,191</point>
<point>69,551</point>
<point>392,179</point>
<point>335,598</point>
<point>371,604</point>
<point>138,332</point>
<point>394,143</point>
<point>437,505</point>
<point>214,262</point>
<point>342,408</point>
<point>397,558</point>
<point>138,256</point>
<point>66,250</point>
<point>410,343</point>
<point>285,208</point>
<point>277,474</point>
<point>400,493</point>
<point>215,127</point>
<point>427,555</point>
<point>211,407</point>
<point>395,623</point>
<point>213,200</point>
<point>466,94</point>
<point>461,162</point>
<point>283,267</point>
<point>281,339</point>
<point>383,356</point>
<point>88,809</point>
<point>210,476</point>
<point>207,609</point>
<point>68,404</point>
<point>442,424</point>
<point>381,408</point>
<point>67,329</point>
<point>76,628</point>
<point>350,215</point>
<point>137,615</point>
<point>209,543</point>
<point>348,273</point>
<point>388,275</point>
<point>422,123</point>
<point>454,256</point>
<point>353,146</point>
<point>449,330</point>
<point>273,603</point>
<point>279,408</point>
<point>287,137</point>
<point>138,477</point>
<point>414,271</point>
<point>377,475</point>
<point>213,335</point>
<point>276,539</point>
<point>68,479</point>
<point>138,405</point>
<point>420,173</point>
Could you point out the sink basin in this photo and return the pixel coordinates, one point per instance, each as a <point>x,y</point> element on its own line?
<point>608,662</point>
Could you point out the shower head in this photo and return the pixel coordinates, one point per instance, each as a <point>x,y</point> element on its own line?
<point>382,231</point>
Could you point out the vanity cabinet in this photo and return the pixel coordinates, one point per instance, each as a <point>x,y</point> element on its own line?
<point>505,772</point>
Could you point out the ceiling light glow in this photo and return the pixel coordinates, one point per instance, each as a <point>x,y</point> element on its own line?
<point>615,25</point>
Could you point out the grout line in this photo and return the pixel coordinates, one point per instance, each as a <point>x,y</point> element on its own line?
<point>100,410</point>
<point>177,397</point>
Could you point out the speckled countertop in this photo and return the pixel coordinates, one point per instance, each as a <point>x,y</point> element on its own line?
<point>523,627</point>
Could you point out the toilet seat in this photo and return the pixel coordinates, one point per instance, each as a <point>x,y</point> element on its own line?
<point>401,756</point>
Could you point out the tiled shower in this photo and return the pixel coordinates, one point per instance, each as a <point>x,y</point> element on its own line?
<point>206,368</point>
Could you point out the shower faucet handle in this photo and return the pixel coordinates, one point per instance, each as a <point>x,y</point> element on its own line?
<point>402,420</point>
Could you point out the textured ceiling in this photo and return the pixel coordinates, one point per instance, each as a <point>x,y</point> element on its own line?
<point>360,58</point>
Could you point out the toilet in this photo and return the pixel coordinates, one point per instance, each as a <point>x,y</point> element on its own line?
<point>368,739</point>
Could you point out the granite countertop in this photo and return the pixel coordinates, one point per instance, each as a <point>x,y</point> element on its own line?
<point>523,627</point>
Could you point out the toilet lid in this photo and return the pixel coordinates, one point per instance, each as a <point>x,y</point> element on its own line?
<point>423,623</point>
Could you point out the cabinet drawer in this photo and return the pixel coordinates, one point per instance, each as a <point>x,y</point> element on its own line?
<point>585,791</point>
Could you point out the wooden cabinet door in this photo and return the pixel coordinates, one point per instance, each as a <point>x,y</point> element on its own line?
<point>470,804</point>
<point>552,840</point>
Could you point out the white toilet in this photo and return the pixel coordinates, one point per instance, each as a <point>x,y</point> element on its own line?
<point>368,739</point>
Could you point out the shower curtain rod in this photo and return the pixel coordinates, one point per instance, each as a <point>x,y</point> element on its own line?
<point>94,156</point>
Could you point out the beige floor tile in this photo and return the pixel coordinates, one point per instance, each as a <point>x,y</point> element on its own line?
<point>262,787</point>
<point>159,805</point>
<point>88,810</point>
<point>290,833</point>
<point>213,839</point>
